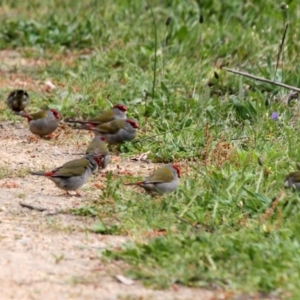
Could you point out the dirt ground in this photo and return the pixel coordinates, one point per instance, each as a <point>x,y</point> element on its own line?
<point>53,257</point>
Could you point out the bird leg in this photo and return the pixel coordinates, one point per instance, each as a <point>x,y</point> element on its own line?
<point>70,195</point>
<point>78,194</point>
<point>33,138</point>
<point>50,136</point>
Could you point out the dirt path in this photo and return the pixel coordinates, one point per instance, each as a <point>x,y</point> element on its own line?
<point>55,257</point>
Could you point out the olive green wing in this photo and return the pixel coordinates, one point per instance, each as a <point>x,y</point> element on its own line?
<point>72,168</point>
<point>111,127</point>
<point>97,147</point>
<point>160,175</point>
<point>38,115</point>
<point>103,118</point>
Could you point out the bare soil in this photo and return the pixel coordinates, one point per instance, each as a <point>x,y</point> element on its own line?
<point>53,257</point>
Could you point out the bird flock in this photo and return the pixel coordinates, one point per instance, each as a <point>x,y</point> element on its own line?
<point>110,128</point>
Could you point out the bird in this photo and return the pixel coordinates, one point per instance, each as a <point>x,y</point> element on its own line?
<point>43,122</point>
<point>116,113</point>
<point>73,174</point>
<point>292,179</point>
<point>163,180</point>
<point>17,100</point>
<point>115,132</point>
<point>98,147</point>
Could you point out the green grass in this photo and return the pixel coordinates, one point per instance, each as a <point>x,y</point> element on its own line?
<point>219,229</point>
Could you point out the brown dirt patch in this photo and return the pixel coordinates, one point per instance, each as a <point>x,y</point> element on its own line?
<point>55,257</point>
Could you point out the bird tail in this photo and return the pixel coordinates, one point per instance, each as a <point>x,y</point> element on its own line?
<point>24,114</point>
<point>85,126</point>
<point>87,123</point>
<point>75,121</point>
<point>90,127</point>
<point>19,113</point>
<point>38,173</point>
<point>134,183</point>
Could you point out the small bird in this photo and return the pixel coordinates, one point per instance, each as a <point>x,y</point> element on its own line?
<point>163,180</point>
<point>116,113</point>
<point>115,132</point>
<point>292,179</point>
<point>73,174</point>
<point>43,122</point>
<point>17,100</point>
<point>97,147</point>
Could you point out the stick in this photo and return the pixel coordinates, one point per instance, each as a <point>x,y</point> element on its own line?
<point>281,47</point>
<point>153,136</point>
<point>155,56</point>
<point>32,207</point>
<point>41,209</point>
<point>173,130</point>
<point>286,86</point>
<point>168,21</point>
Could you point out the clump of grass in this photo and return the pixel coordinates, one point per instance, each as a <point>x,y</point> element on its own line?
<point>4,172</point>
<point>229,260</point>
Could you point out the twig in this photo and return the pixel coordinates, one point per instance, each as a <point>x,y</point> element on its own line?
<point>155,52</point>
<point>74,153</point>
<point>199,57</point>
<point>286,86</point>
<point>176,129</point>
<point>281,47</point>
<point>168,21</point>
<point>153,136</point>
<point>32,207</point>
<point>41,209</point>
